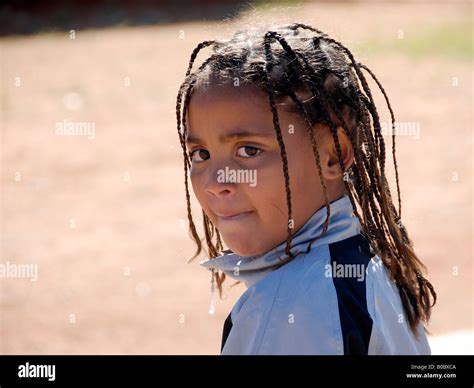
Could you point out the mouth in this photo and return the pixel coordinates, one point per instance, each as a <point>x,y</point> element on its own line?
<point>233,217</point>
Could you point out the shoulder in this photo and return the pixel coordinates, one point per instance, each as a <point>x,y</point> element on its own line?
<point>370,307</point>
<point>391,332</point>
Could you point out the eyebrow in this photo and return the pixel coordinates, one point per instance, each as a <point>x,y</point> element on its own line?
<point>228,137</point>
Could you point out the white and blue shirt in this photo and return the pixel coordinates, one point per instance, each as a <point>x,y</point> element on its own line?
<point>335,299</point>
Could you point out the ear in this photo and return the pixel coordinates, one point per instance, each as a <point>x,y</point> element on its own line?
<point>328,153</point>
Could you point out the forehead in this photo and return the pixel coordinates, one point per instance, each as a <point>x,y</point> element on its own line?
<point>243,95</point>
<point>229,106</point>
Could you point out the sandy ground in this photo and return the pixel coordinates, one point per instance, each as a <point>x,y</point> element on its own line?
<point>103,218</point>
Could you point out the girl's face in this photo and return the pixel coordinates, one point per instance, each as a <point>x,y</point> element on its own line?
<point>237,173</point>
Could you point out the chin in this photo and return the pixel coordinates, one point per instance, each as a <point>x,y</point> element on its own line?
<point>242,248</point>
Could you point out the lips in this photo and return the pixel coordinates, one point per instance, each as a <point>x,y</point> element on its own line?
<point>232,216</point>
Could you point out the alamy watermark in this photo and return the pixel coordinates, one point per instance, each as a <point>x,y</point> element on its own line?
<point>19,271</point>
<point>334,270</point>
<point>75,128</point>
<point>37,371</point>
<point>401,128</point>
<point>228,175</point>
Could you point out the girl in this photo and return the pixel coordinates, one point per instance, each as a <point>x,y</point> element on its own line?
<point>283,143</point>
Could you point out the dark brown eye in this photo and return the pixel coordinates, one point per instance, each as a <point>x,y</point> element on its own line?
<point>248,151</point>
<point>199,155</point>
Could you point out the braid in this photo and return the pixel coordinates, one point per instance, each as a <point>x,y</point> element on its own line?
<point>392,116</point>
<point>192,227</point>
<point>276,124</point>
<point>195,52</point>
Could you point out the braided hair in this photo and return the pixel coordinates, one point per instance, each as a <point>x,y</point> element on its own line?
<point>320,79</point>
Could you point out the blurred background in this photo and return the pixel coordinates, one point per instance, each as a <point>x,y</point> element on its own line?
<point>101,214</point>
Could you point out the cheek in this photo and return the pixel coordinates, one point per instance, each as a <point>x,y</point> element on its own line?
<point>306,190</point>
<point>198,183</point>
<point>304,177</point>
<point>269,196</point>
<point>304,174</point>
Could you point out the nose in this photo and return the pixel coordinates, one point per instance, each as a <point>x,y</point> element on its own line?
<point>219,183</point>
